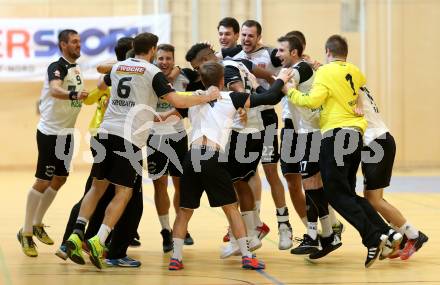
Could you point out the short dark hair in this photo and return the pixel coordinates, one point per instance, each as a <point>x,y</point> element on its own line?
<point>297,34</point>
<point>337,45</point>
<point>166,47</point>
<point>253,23</point>
<point>229,22</point>
<point>122,47</point>
<point>195,50</point>
<point>64,35</point>
<point>211,73</point>
<point>294,43</point>
<point>144,42</point>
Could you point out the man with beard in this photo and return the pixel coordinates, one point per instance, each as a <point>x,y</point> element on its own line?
<point>60,104</point>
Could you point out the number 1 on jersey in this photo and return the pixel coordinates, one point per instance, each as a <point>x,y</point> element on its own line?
<point>349,78</point>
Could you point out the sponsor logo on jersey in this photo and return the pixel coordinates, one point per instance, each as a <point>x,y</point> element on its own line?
<point>125,69</point>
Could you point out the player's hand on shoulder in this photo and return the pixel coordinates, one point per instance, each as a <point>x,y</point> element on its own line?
<point>242,115</point>
<point>285,74</point>
<point>213,93</point>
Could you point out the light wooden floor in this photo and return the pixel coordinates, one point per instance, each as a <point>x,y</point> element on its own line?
<point>202,265</point>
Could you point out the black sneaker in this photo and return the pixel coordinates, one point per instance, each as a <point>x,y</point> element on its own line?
<point>167,243</point>
<point>307,246</point>
<point>328,245</point>
<point>188,240</point>
<point>135,243</point>
<point>373,252</point>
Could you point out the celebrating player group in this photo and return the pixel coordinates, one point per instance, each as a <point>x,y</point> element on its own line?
<point>330,126</point>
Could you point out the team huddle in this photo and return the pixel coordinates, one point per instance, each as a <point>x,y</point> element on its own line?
<point>331,125</point>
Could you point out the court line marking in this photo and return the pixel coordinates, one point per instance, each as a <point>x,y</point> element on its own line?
<point>4,269</point>
<point>269,277</point>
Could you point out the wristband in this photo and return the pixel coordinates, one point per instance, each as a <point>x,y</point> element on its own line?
<point>73,95</point>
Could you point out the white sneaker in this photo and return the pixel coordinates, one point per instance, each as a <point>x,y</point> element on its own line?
<point>285,233</point>
<point>231,248</point>
<point>254,243</point>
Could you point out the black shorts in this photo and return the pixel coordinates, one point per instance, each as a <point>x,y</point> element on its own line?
<point>54,155</point>
<point>207,175</point>
<point>243,158</point>
<point>288,146</point>
<point>271,152</point>
<point>378,170</point>
<point>120,163</point>
<point>165,154</point>
<point>309,165</point>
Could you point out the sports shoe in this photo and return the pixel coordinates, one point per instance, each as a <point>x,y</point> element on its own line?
<point>374,251</point>
<point>262,231</point>
<point>27,244</point>
<point>62,252</point>
<point>338,229</point>
<point>252,263</point>
<point>231,248</point>
<point>392,246</point>
<point>123,262</point>
<point>41,234</point>
<point>307,246</point>
<point>188,240</point>
<point>328,245</point>
<point>285,233</point>
<point>135,243</point>
<point>96,252</point>
<point>167,240</point>
<point>413,245</point>
<point>74,249</point>
<point>175,264</point>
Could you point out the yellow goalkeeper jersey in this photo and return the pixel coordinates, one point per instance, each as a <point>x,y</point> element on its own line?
<point>335,89</point>
<point>99,97</point>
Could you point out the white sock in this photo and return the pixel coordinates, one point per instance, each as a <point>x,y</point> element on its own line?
<point>410,231</point>
<point>165,222</point>
<point>258,205</point>
<point>332,216</point>
<point>248,218</point>
<point>304,221</point>
<point>177,248</point>
<point>45,202</point>
<point>103,233</point>
<point>257,219</point>
<point>33,199</point>
<point>312,230</point>
<point>326,226</point>
<point>243,244</point>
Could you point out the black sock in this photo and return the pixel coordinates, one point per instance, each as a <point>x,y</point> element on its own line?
<point>80,228</point>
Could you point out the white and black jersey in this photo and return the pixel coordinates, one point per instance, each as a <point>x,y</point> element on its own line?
<point>239,71</point>
<point>305,120</point>
<point>214,120</point>
<point>136,87</point>
<point>263,57</point>
<point>376,126</point>
<point>163,105</point>
<point>59,115</point>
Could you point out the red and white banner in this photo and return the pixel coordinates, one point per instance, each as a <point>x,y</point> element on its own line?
<point>28,46</point>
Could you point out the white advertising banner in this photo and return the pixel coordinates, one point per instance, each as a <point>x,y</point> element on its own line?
<point>28,46</point>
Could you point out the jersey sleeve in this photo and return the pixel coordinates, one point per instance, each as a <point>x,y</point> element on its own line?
<point>56,71</point>
<point>232,74</point>
<point>107,80</point>
<point>276,62</point>
<point>239,99</point>
<point>231,52</point>
<point>249,64</point>
<point>304,71</point>
<point>160,84</point>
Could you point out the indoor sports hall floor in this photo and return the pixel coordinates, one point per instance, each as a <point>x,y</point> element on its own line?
<point>417,194</point>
